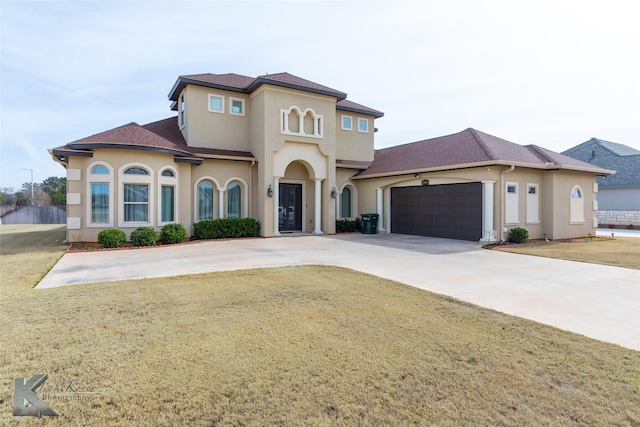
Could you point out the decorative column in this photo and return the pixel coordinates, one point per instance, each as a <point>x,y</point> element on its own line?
<point>387,206</point>
<point>276,203</point>
<point>488,234</point>
<point>380,208</point>
<point>318,200</point>
<point>221,203</point>
<point>339,205</point>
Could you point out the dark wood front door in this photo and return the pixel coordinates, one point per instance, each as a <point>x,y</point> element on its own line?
<point>290,207</point>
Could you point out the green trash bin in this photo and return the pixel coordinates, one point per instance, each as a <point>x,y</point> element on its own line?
<point>370,223</point>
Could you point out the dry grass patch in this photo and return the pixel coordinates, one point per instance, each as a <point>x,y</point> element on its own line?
<point>302,346</point>
<point>618,252</point>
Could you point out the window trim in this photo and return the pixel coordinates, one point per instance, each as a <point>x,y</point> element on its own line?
<point>215,197</point>
<point>244,196</point>
<point>242,102</point>
<point>221,98</point>
<point>136,180</point>
<point>533,199</point>
<point>511,203</point>
<point>366,122</point>
<point>342,119</point>
<point>168,181</point>
<point>100,179</point>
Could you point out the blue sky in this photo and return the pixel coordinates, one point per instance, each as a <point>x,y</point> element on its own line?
<point>551,73</point>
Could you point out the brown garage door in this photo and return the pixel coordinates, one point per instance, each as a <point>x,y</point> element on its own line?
<point>451,211</point>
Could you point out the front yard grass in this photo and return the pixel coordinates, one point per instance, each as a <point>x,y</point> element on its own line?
<point>310,345</point>
<point>618,252</point>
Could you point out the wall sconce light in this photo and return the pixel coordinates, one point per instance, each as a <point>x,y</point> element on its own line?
<point>334,193</point>
<point>270,191</point>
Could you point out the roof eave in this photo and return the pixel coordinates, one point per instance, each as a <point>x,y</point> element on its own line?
<point>263,80</point>
<point>374,113</point>
<point>182,82</point>
<point>548,166</point>
<point>126,146</point>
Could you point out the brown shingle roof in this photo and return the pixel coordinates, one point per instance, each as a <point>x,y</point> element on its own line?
<point>244,84</point>
<point>163,136</point>
<point>347,105</point>
<point>463,149</point>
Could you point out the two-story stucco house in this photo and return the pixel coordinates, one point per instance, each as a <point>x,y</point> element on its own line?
<point>297,155</point>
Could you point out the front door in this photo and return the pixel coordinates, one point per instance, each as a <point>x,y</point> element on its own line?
<point>290,207</point>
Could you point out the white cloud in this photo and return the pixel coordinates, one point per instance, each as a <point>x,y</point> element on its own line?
<point>549,73</point>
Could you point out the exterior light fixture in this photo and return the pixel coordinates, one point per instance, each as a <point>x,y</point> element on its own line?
<point>334,193</point>
<point>270,191</point>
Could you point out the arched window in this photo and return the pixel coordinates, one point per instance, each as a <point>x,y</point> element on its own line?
<point>576,207</point>
<point>234,200</point>
<point>135,197</point>
<point>168,201</point>
<point>205,200</point>
<point>346,203</point>
<point>100,183</point>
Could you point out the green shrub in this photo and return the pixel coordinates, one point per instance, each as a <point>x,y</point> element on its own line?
<point>225,228</point>
<point>518,235</point>
<point>144,236</point>
<point>112,238</point>
<point>348,225</point>
<point>172,233</point>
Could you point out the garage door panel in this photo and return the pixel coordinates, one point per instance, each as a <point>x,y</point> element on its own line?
<point>449,211</point>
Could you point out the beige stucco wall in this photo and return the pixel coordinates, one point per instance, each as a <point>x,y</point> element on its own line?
<point>351,144</point>
<point>209,129</point>
<point>221,172</point>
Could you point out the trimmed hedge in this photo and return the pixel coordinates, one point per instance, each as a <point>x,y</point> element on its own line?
<point>112,238</point>
<point>225,228</point>
<point>172,233</point>
<point>348,225</point>
<point>144,236</point>
<point>518,235</point>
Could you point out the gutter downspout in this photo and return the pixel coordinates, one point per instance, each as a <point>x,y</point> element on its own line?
<point>502,196</point>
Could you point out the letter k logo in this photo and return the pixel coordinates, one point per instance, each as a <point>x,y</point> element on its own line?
<point>24,394</point>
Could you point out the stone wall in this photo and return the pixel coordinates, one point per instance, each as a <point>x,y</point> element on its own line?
<point>619,218</point>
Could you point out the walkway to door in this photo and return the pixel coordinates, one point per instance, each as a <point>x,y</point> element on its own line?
<point>594,300</point>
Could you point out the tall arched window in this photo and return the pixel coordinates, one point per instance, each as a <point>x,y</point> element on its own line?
<point>136,196</point>
<point>168,205</point>
<point>576,207</point>
<point>205,200</point>
<point>346,203</point>
<point>234,200</point>
<point>99,188</point>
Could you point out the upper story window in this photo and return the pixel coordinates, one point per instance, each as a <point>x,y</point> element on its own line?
<point>216,103</point>
<point>347,123</point>
<point>294,121</point>
<point>236,106</point>
<point>181,112</point>
<point>363,125</point>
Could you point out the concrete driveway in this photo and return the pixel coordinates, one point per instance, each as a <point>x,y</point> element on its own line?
<point>598,301</point>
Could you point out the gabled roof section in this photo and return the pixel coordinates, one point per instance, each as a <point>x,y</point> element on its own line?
<point>469,148</point>
<point>613,147</point>
<point>347,105</point>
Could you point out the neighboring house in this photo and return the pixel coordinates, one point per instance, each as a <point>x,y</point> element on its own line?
<point>297,155</point>
<point>619,194</point>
